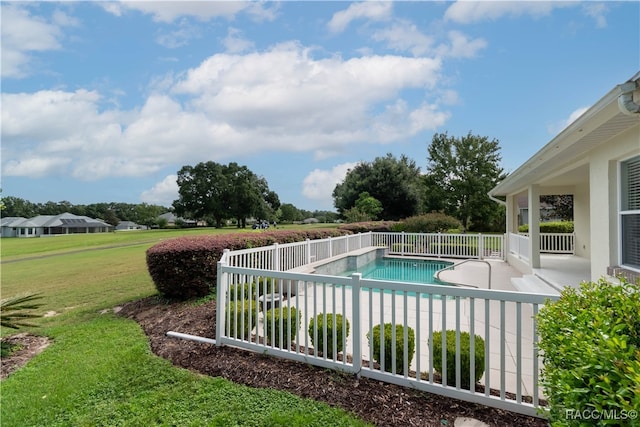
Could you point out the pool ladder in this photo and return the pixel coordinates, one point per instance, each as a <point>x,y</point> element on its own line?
<point>451,267</point>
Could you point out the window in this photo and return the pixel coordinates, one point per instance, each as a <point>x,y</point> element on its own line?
<point>630,213</point>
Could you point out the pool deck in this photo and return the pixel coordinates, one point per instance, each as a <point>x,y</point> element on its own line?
<point>443,315</point>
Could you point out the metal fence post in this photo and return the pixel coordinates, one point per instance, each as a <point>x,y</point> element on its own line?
<point>221,286</point>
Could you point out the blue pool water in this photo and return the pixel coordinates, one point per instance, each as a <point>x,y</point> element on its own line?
<point>402,270</point>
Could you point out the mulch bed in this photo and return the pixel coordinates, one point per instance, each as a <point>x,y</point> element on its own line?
<point>379,403</point>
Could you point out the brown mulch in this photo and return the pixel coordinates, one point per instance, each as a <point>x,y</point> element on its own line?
<point>376,402</point>
<point>26,346</point>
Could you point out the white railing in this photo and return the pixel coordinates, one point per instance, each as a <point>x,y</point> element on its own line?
<point>506,322</point>
<point>519,245</point>
<point>555,243</point>
<point>283,257</point>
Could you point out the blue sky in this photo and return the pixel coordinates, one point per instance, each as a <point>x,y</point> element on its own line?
<point>106,101</point>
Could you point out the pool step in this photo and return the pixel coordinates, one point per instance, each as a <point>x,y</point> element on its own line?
<point>534,284</point>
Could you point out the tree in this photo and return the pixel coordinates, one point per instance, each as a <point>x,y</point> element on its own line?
<point>214,191</point>
<point>204,193</point>
<point>289,213</point>
<point>395,183</point>
<point>369,206</point>
<point>562,207</point>
<point>461,171</point>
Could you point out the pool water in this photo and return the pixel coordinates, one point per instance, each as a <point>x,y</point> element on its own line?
<point>402,270</point>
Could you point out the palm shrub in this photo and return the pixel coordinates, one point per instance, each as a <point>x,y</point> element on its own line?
<point>290,318</point>
<point>590,343</point>
<point>14,312</point>
<point>374,342</point>
<point>465,357</point>
<point>317,326</point>
<point>240,318</point>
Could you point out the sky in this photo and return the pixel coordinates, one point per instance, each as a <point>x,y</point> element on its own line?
<point>106,101</point>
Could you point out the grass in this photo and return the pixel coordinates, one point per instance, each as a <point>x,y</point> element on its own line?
<point>99,370</point>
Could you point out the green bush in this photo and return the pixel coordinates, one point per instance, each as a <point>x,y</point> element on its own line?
<point>435,222</point>
<point>551,227</point>
<point>399,340</point>
<point>590,342</point>
<point>291,319</point>
<point>242,319</point>
<point>186,267</point>
<point>240,292</point>
<point>465,357</point>
<point>317,325</point>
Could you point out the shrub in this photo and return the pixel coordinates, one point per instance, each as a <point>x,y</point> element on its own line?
<point>321,321</point>
<point>465,357</point>
<point>399,339</point>
<point>240,292</point>
<point>435,222</point>
<point>366,226</point>
<point>550,227</point>
<point>590,341</point>
<point>291,319</point>
<point>185,267</point>
<point>240,318</point>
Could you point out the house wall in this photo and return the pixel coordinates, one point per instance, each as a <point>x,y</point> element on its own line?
<point>603,198</point>
<point>582,220</point>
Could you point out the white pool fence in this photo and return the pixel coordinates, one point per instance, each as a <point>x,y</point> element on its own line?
<point>505,321</point>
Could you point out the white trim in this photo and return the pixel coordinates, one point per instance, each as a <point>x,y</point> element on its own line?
<point>620,213</point>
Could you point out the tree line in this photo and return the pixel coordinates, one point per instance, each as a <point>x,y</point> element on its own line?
<point>459,174</point>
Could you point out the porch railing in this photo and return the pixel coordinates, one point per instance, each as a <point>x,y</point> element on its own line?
<point>554,243</point>
<point>504,320</point>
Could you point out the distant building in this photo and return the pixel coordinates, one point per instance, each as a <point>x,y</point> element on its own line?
<point>130,225</point>
<point>52,225</point>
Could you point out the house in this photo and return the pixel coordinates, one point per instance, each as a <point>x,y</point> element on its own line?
<point>50,225</point>
<point>173,220</point>
<point>130,225</point>
<point>8,225</point>
<point>597,160</point>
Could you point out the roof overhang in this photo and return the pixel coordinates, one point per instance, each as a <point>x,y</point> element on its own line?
<point>566,155</point>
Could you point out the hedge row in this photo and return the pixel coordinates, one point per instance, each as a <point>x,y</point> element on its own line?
<point>365,227</point>
<point>185,267</point>
<point>551,227</point>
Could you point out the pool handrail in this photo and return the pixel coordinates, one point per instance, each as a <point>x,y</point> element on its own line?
<point>451,267</point>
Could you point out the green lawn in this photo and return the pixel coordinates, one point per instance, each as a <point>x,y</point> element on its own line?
<point>100,370</point>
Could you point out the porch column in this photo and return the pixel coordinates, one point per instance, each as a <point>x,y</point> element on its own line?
<point>512,214</point>
<point>534,225</point>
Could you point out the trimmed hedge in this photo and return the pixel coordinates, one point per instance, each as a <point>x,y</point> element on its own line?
<point>289,332</point>
<point>428,223</point>
<point>365,227</point>
<point>465,357</point>
<point>185,267</point>
<point>590,341</point>
<point>319,322</point>
<point>551,227</point>
<point>388,359</point>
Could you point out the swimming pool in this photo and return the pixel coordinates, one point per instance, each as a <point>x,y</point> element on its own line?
<point>402,270</point>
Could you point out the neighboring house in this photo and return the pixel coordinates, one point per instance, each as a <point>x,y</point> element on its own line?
<point>597,160</point>
<point>50,225</point>
<point>8,225</point>
<point>173,220</point>
<point>130,225</point>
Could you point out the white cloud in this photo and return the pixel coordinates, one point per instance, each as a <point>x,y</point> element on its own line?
<point>598,12</point>
<point>462,47</point>
<point>375,11</point>
<point>36,166</point>
<point>235,43</point>
<point>23,34</point>
<point>556,128</point>
<point>162,193</point>
<point>404,36</point>
<point>170,11</point>
<point>466,12</point>
<point>178,37</point>
<point>229,106</point>
<point>318,185</point>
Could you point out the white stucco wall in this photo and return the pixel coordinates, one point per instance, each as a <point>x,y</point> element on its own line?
<point>603,198</point>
